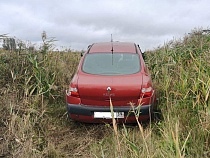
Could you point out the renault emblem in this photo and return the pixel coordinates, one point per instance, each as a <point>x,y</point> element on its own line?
<point>108,89</point>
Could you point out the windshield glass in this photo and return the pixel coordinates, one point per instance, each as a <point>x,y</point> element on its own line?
<point>111,64</point>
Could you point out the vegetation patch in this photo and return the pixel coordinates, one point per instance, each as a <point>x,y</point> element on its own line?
<point>33,112</point>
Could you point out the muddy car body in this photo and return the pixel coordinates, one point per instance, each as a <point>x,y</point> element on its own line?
<point>111,72</point>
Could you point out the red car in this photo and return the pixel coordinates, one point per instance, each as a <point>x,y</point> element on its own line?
<point>116,71</point>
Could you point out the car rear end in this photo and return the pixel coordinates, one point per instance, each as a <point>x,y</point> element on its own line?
<point>117,76</point>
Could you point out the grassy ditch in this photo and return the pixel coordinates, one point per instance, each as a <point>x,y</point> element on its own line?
<point>32,102</point>
<point>181,73</point>
<point>33,114</point>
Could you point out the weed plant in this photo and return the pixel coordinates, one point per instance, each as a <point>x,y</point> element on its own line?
<point>181,74</point>
<point>33,115</point>
<point>31,83</point>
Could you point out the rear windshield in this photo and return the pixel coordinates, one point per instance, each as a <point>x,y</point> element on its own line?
<point>111,64</point>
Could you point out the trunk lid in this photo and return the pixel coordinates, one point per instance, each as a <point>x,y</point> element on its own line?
<point>124,89</point>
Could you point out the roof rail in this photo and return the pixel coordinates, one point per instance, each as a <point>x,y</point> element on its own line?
<point>136,48</point>
<point>89,47</point>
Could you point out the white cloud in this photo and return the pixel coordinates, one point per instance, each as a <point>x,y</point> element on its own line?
<point>78,23</point>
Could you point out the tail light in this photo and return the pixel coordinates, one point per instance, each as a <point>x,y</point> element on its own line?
<point>147,92</point>
<point>73,91</point>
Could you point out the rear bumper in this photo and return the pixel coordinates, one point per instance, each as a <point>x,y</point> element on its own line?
<point>84,113</point>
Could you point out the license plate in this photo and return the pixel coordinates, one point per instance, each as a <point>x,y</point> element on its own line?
<point>108,115</point>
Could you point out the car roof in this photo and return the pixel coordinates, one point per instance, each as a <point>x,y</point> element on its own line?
<point>118,47</point>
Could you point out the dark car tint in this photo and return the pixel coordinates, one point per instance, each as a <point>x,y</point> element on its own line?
<point>111,64</point>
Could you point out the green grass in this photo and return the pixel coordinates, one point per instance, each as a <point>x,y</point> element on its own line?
<point>181,75</point>
<point>33,113</point>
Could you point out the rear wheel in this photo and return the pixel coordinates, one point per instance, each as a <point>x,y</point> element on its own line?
<point>156,115</point>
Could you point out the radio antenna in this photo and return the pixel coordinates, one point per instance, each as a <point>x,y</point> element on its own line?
<point>112,44</point>
<point>112,48</point>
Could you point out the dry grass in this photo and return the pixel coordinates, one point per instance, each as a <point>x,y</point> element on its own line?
<point>181,74</point>
<point>33,120</point>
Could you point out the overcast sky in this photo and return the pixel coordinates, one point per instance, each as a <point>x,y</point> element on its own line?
<point>78,23</point>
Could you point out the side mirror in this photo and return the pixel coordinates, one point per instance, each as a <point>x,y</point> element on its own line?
<point>82,53</point>
<point>143,55</point>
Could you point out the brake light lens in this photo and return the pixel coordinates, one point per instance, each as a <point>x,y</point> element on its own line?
<point>73,91</point>
<point>147,92</point>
